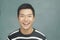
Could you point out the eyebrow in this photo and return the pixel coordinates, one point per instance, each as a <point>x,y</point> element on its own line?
<point>23,14</point>
<point>29,14</point>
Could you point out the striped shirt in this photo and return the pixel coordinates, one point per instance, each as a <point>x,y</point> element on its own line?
<point>35,35</point>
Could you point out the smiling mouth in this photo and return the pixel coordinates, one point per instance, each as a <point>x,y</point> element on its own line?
<point>26,24</point>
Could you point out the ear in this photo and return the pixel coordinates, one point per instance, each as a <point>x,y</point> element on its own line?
<point>33,18</point>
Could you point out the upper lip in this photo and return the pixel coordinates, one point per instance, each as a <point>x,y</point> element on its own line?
<point>26,23</point>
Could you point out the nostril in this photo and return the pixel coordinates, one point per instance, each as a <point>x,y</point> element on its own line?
<point>26,19</point>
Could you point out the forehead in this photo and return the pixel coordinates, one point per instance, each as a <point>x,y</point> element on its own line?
<point>25,11</point>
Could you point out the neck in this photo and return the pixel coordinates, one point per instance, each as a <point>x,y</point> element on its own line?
<point>26,31</point>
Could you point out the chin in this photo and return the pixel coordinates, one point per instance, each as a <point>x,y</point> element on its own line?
<point>26,28</point>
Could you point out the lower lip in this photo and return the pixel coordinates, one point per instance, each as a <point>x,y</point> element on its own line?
<point>26,24</point>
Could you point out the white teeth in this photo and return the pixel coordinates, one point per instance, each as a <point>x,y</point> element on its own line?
<point>25,23</point>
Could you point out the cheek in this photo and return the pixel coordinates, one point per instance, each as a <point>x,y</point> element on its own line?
<point>20,20</point>
<point>28,19</point>
<point>31,19</point>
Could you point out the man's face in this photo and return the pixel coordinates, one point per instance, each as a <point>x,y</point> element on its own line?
<point>26,18</point>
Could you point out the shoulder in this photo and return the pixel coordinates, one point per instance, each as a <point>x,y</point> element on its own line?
<point>13,34</point>
<point>40,34</point>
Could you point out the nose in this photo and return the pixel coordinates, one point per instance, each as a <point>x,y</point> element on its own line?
<point>26,19</point>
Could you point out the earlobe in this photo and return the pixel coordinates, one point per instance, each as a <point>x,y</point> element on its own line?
<point>34,19</point>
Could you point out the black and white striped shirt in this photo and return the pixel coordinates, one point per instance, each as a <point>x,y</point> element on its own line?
<point>35,35</point>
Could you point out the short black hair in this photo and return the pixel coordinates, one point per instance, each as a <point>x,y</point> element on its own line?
<point>25,6</point>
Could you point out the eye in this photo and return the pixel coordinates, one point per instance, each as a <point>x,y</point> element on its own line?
<point>29,16</point>
<point>21,16</point>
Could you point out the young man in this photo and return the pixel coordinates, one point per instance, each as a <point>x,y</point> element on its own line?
<point>26,16</point>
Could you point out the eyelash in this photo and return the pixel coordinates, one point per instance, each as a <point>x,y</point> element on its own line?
<point>23,16</point>
<point>29,16</point>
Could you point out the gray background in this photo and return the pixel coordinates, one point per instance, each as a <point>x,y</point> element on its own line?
<point>47,17</point>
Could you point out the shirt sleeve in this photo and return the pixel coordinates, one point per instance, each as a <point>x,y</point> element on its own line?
<point>45,39</point>
<point>8,38</point>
